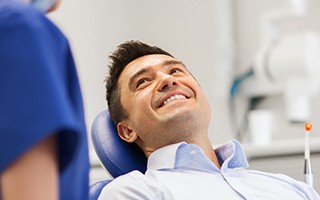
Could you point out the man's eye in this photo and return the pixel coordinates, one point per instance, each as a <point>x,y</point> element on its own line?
<point>140,82</point>
<point>175,70</point>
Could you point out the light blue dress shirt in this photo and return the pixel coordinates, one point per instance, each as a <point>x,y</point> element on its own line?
<point>182,171</point>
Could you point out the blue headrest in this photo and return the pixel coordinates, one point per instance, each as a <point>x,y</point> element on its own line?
<point>117,156</point>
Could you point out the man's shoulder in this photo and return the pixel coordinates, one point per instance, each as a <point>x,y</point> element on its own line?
<point>129,178</point>
<point>134,183</point>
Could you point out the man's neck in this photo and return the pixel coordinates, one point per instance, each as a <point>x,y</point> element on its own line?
<point>203,142</point>
<point>206,146</point>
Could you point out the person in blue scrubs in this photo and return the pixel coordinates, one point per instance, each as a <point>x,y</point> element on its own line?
<point>43,141</point>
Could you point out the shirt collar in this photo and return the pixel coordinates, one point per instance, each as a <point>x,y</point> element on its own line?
<point>164,158</point>
<point>191,156</point>
<point>231,155</point>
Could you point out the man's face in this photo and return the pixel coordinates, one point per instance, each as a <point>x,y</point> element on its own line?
<point>163,101</point>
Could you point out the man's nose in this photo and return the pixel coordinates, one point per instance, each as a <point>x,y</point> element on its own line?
<point>166,82</point>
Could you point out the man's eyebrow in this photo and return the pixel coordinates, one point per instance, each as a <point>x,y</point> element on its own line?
<point>148,68</point>
<point>173,62</point>
<point>138,73</point>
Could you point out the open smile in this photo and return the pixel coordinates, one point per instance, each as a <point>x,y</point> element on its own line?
<point>173,97</point>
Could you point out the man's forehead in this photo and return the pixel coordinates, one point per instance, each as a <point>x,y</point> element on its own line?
<point>144,62</point>
<point>149,60</point>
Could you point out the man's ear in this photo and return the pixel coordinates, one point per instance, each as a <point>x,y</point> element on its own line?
<point>126,133</point>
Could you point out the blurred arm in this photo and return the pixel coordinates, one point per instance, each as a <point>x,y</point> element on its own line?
<point>33,176</point>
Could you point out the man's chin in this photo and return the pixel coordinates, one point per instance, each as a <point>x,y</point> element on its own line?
<point>180,115</point>
<point>175,106</point>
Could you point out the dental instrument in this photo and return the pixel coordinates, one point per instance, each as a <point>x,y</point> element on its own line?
<point>308,176</point>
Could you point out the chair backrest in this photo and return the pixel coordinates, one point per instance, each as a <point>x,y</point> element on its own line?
<point>96,189</point>
<point>117,156</point>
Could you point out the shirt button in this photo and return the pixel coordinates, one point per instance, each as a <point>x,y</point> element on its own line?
<point>193,152</point>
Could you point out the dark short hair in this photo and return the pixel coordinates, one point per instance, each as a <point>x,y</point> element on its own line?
<point>119,59</point>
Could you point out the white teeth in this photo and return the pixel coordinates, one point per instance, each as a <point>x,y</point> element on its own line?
<point>172,98</point>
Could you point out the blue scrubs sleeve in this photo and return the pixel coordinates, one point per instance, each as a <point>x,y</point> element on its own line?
<point>38,87</point>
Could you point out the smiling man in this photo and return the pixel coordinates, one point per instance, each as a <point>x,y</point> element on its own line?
<point>156,103</point>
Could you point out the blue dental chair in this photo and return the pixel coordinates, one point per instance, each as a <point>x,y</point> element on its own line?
<point>116,156</point>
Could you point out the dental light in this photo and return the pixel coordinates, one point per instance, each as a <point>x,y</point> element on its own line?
<point>287,63</point>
